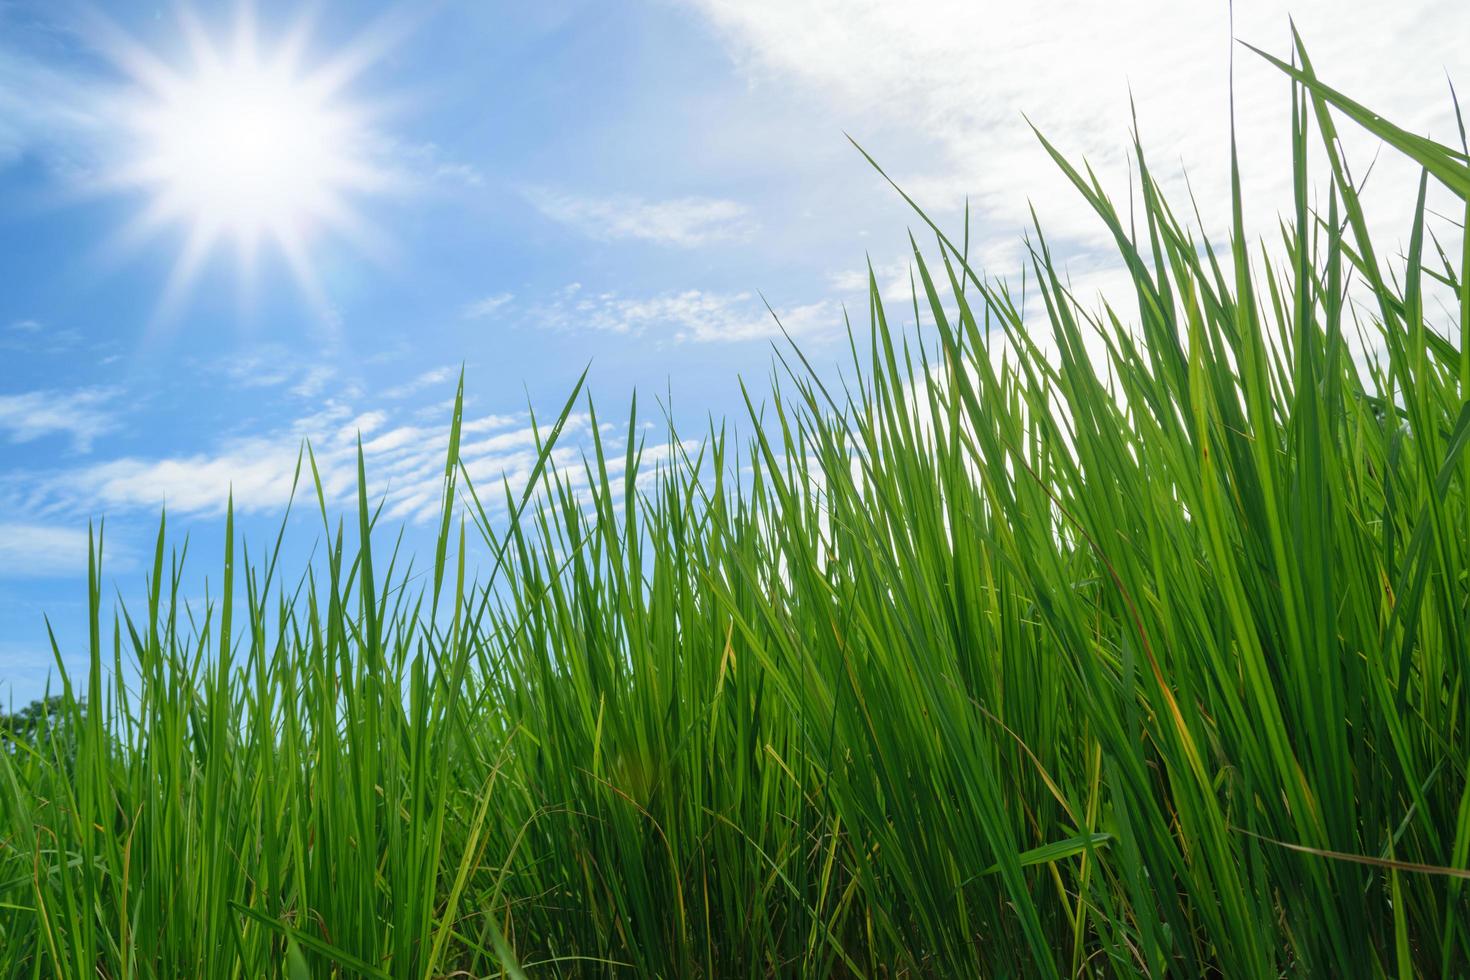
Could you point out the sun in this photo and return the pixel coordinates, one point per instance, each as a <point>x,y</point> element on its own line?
<point>244,148</point>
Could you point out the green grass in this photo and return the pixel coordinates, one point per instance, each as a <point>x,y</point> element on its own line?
<point>1022,666</point>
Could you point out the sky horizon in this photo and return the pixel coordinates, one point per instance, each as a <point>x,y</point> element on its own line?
<point>523,193</point>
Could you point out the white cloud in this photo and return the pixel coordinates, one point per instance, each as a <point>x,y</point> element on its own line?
<point>44,111</point>
<point>486,306</point>
<point>313,381</point>
<point>41,550</point>
<point>690,315</point>
<point>404,462</point>
<point>405,466</point>
<point>274,366</point>
<point>83,414</point>
<point>29,336</point>
<point>428,379</point>
<point>484,423</point>
<point>427,163</point>
<point>936,90</point>
<point>687,222</point>
<point>894,282</point>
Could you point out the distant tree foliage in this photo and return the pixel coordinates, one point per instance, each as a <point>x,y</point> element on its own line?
<point>39,724</point>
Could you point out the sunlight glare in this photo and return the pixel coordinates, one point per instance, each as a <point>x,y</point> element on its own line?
<point>247,148</point>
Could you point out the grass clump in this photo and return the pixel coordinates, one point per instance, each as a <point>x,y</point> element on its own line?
<point>1036,665</point>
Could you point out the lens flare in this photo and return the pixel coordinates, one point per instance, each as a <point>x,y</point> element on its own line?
<point>249,148</point>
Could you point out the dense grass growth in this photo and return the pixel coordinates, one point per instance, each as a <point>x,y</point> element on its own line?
<point>1021,666</point>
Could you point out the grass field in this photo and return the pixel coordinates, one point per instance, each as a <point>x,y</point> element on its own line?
<point>1034,665</point>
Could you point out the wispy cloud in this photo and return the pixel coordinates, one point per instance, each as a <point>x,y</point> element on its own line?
<point>313,380</point>
<point>430,163</point>
<point>29,336</point>
<point>45,112</point>
<point>942,90</point>
<point>405,463</point>
<point>83,414</point>
<point>428,379</point>
<point>686,222</point>
<point>486,306</point>
<point>274,366</point>
<point>41,550</point>
<point>690,315</point>
<point>894,282</point>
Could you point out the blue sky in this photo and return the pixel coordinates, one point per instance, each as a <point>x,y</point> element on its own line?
<point>563,183</point>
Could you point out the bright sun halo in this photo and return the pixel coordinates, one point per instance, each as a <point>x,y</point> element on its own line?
<point>247,148</point>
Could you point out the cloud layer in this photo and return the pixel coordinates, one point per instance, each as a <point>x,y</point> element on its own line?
<point>941,92</point>
<point>83,415</point>
<point>688,315</point>
<point>684,222</point>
